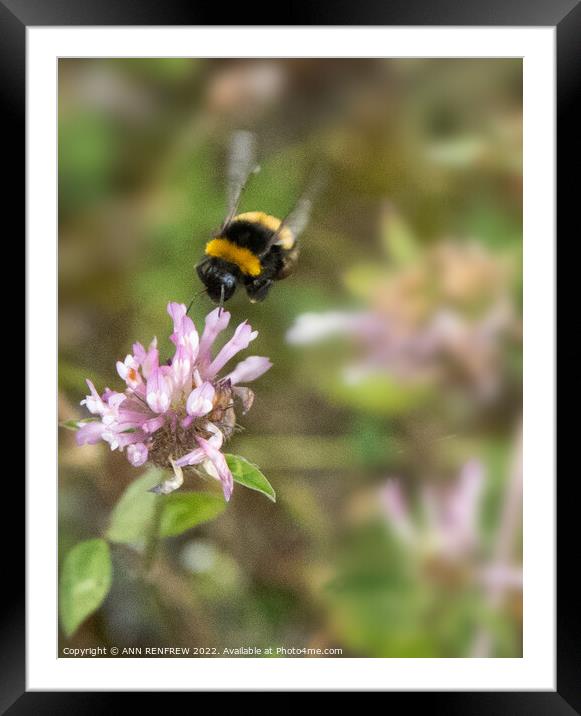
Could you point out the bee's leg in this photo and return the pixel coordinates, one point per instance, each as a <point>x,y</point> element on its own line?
<point>196,295</point>
<point>258,289</point>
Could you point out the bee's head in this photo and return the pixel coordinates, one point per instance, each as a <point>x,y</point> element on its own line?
<point>219,278</point>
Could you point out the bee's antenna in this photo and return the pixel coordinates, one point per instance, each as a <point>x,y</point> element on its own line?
<point>221,300</point>
<point>196,295</point>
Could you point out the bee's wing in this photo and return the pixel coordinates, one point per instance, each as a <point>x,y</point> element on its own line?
<point>241,164</point>
<point>300,215</point>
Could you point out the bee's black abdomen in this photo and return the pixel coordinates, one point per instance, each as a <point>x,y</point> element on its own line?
<point>250,235</point>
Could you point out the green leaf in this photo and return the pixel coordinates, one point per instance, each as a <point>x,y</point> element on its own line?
<point>132,516</point>
<point>84,583</point>
<point>247,474</point>
<point>184,510</point>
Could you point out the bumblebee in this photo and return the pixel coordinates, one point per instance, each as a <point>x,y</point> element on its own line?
<point>252,249</point>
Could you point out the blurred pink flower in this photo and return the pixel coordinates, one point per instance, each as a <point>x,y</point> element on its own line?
<point>498,577</point>
<point>439,320</point>
<point>446,531</point>
<point>415,353</point>
<point>177,414</point>
<point>449,526</point>
<point>397,509</point>
<point>452,516</point>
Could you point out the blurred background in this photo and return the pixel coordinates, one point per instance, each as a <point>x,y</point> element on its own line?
<point>390,423</point>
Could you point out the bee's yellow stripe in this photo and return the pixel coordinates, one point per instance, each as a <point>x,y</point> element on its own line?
<point>285,239</point>
<point>246,261</point>
<point>259,217</point>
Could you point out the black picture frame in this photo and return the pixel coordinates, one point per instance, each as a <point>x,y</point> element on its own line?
<point>565,15</point>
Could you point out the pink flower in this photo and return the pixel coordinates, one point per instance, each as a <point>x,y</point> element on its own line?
<point>241,339</point>
<point>129,371</point>
<point>137,454</point>
<point>442,320</point>
<point>90,433</point>
<point>200,400</point>
<point>449,526</point>
<point>216,466</point>
<point>397,510</point>
<point>249,369</point>
<point>159,391</point>
<point>179,414</point>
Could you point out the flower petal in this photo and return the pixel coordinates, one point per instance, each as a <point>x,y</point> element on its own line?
<point>219,462</point>
<point>158,394</point>
<point>200,400</point>
<point>139,352</point>
<point>129,371</point>
<point>151,360</point>
<point>190,336</point>
<point>137,454</point>
<point>181,366</point>
<point>153,424</point>
<point>110,413</point>
<point>146,359</point>
<point>185,333</point>
<point>89,433</point>
<point>249,369</point>
<point>239,341</point>
<point>176,311</point>
<point>216,322</point>
<point>94,401</point>
<point>191,458</point>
